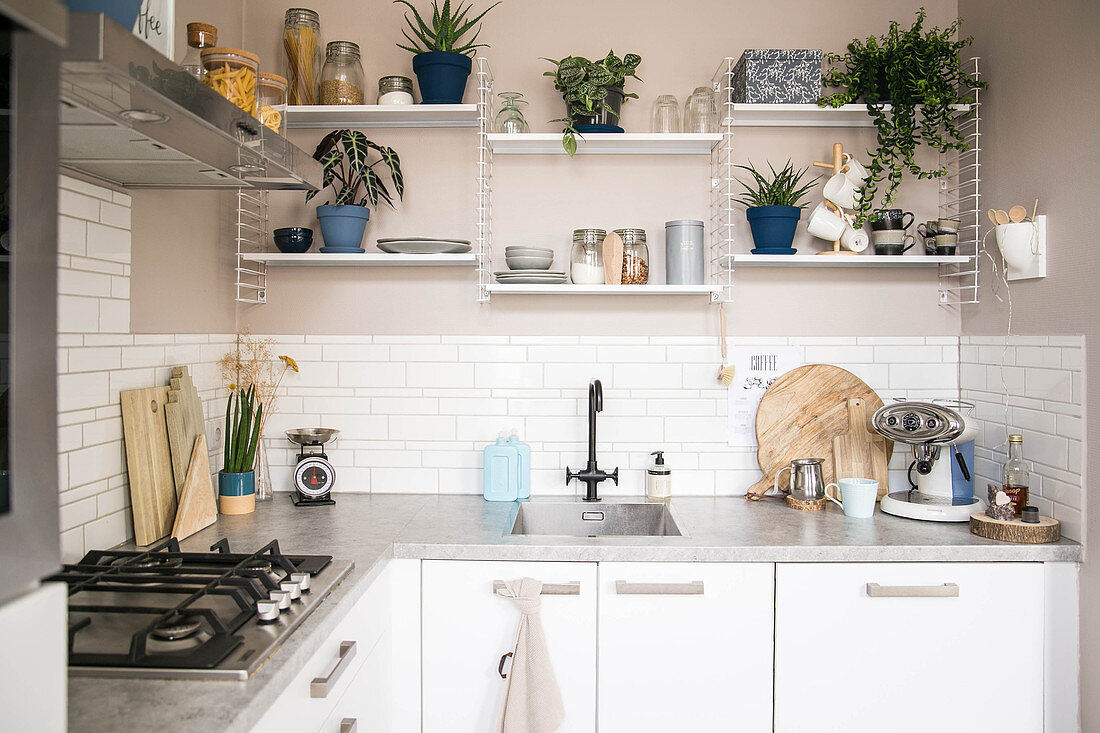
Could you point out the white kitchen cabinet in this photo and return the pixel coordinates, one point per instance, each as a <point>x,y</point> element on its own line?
<point>34,647</point>
<point>466,628</point>
<point>890,646</point>
<point>365,704</point>
<point>685,646</point>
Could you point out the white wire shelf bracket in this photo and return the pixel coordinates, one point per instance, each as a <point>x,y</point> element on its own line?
<point>723,188</point>
<point>251,275</point>
<point>483,204</point>
<point>356,116</point>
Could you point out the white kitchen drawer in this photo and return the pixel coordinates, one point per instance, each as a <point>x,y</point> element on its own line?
<point>365,705</point>
<point>685,647</point>
<point>296,708</point>
<point>905,654</point>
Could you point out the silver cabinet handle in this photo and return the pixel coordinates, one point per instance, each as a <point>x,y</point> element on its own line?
<point>349,725</point>
<point>321,686</point>
<point>549,589</point>
<point>947,590</point>
<point>693,588</point>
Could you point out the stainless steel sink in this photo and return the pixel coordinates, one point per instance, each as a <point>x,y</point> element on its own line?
<point>576,519</point>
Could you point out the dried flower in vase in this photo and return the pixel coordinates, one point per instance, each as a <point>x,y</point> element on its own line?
<point>254,363</point>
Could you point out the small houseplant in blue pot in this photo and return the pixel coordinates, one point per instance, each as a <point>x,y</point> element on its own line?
<point>345,156</point>
<point>237,480</point>
<point>774,207</point>
<point>442,58</point>
<point>593,92</point>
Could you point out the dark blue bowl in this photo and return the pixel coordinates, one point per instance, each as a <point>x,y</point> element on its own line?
<point>293,240</point>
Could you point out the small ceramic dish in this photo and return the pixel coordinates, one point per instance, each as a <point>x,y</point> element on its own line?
<point>293,240</point>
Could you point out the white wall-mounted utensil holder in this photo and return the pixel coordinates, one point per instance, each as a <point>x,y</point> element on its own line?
<point>1023,247</point>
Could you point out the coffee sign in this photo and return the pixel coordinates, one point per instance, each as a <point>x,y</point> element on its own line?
<point>155,24</point>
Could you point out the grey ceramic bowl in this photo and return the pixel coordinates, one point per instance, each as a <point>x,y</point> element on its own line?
<point>528,251</point>
<point>516,262</point>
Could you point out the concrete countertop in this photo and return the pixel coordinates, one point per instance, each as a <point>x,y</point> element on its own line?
<point>371,529</point>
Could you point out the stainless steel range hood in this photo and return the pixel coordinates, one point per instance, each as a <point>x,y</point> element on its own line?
<point>131,117</point>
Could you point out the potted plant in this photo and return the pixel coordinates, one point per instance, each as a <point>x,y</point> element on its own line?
<point>442,59</point>
<point>774,207</point>
<point>236,480</point>
<point>345,156</point>
<point>593,92</point>
<point>910,81</point>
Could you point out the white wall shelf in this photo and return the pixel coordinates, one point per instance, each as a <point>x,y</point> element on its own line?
<point>381,115</point>
<point>364,259</point>
<point>805,115</point>
<point>815,260</point>
<point>606,143</point>
<point>708,290</point>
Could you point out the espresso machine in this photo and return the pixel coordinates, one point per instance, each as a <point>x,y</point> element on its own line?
<point>934,430</point>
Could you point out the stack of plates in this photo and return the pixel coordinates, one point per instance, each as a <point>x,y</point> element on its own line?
<point>531,277</point>
<point>423,245</point>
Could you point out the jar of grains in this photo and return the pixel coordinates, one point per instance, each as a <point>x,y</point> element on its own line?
<point>273,102</point>
<point>342,75</point>
<point>302,45</point>
<point>586,258</point>
<point>233,73</point>
<point>395,90</point>
<point>635,256</point>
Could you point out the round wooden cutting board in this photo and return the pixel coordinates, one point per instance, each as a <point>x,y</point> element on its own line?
<point>801,413</point>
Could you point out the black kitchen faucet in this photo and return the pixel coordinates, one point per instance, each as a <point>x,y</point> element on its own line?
<point>592,475</point>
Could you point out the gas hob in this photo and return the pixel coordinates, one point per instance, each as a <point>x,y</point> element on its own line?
<point>166,613</point>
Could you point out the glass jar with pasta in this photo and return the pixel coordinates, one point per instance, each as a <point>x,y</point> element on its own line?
<point>302,45</point>
<point>272,102</point>
<point>233,74</point>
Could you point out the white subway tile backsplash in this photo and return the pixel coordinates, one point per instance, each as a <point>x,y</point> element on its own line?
<point>505,376</point>
<point>440,375</point>
<point>108,243</point>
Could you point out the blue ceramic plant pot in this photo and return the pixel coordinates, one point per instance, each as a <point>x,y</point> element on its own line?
<point>442,76</point>
<point>773,228</point>
<point>342,227</point>
<point>236,484</point>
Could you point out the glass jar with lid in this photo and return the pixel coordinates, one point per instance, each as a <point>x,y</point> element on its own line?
<point>302,47</point>
<point>342,75</point>
<point>586,257</point>
<point>272,102</point>
<point>635,256</point>
<point>232,73</point>
<point>395,90</point>
<point>199,36</point>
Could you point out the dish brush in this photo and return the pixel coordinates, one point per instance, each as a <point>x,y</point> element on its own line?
<point>725,372</point>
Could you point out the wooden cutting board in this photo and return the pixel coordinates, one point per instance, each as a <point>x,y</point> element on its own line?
<point>183,414</point>
<point>148,462</point>
<point>197,507</point>
<point>861,453</point>
<point>800,414</point>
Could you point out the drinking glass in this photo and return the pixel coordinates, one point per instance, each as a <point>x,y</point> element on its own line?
<point>666,114</point>
<point>509,119</point>
<point>701,111</point>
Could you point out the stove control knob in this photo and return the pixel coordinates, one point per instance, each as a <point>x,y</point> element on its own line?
<point>281,597</point>
<point>267,610</point>
<point>292,588</point>
<point>302,579</point>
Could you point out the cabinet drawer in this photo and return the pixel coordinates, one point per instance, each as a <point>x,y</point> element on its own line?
<point>908,647</point>
<point>365,705</point>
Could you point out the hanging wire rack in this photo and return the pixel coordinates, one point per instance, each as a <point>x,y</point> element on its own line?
<point>484,205</point>
<point>721,225</point>
<point>252,215</point>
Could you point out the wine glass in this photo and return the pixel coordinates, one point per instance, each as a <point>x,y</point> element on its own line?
<point>509,119</point>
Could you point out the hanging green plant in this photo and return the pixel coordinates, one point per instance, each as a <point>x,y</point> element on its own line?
<point>911,81</point>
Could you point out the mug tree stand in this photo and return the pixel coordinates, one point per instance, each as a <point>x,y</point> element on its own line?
<point>837,166</point>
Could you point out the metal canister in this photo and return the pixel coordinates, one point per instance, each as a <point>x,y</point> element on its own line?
<point>684,252</point>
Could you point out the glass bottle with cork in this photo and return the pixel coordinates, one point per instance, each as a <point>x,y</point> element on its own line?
<point>1016,476</point>
<point>199,36</point>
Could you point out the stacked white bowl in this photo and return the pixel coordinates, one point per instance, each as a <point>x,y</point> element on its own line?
<point>528,258</point>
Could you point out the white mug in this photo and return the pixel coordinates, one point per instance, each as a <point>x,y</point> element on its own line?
<point>857,496</point>
<point>856,173</point>
<point>826,224</point>
<point>841,191</point>
<point>855,240</point>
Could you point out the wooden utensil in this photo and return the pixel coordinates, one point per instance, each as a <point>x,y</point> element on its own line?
<point>992,217</point>
<point>861,453</point>
<point>197,508</point>
<point>613,259</point>
<point>148,462</point>
<point>1001,217</point>
<point>1047,530</point>
<point>801,413</point>
<point>1017,214</point>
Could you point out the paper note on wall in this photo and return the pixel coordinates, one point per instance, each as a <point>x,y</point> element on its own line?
<point>756,367</point>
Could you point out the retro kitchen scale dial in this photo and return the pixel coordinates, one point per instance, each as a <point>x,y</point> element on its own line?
<point>313,476</point>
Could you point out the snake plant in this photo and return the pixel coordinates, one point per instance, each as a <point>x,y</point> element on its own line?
<point>345,157</point>
<point>243,417</point>
<point>445,31</point>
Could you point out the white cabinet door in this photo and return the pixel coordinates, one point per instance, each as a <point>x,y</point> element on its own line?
<point>889,647</point>
<point>685,646</point>
<point>34,647</point>
<point>366,705</point>
<point>466,629</point>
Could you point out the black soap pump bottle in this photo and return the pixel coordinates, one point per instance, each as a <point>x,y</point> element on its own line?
<point>658,479</point>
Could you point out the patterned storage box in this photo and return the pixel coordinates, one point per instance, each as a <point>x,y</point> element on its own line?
<point>777,76</point>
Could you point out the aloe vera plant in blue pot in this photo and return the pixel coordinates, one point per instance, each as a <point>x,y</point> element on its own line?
<point>774,207</point>
<point>442,62</point>
<point>237,481</point>
<point>345,156</point>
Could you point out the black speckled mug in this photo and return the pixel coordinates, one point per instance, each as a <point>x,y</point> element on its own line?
<point>891,219</point>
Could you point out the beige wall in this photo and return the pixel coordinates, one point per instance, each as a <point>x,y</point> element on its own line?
<point>1040,140</point>
<point>182,252</point>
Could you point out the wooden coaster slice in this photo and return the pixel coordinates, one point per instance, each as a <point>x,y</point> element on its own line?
<point>1047,530</point>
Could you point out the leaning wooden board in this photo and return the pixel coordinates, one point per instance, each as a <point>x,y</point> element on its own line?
<point>185,423</point>
<point>860,452</point>
<point>801,413</point>
<point>148,463</point>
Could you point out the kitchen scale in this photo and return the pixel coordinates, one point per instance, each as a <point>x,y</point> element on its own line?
<point>313,476</point>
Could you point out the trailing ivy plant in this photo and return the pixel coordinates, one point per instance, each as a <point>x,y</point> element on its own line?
<point>782,190</point>
<point>585,84</point>
<point>445,31</point>
<point>345,157</point>
<point>917,73</point>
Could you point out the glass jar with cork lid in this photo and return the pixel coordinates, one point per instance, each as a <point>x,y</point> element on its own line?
<point>272,102</point>
<point>199,36</point>
<point>233,73</point>
<point>342,75</point>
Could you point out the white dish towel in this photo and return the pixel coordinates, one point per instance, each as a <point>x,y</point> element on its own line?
<point>532,700</point>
